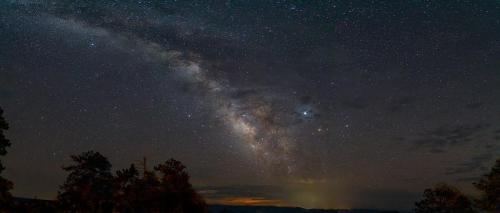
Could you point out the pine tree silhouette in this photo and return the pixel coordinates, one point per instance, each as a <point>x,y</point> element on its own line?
<point>88,187</point>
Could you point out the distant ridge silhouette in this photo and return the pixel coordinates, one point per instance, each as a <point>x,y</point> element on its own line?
<point>40,205</point>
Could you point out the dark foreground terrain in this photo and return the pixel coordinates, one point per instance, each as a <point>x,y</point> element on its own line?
<point>274,209</point>
<point>36,205</point>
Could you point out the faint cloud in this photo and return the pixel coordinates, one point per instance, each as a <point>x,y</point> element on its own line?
<point>5,94</point>
<point>355,103</point>
<point>398,104</point>
<point>309,181</point>
<point>437,140</point>
<point>468,179</point>
<point>474,105</point>
<point>475,164</point>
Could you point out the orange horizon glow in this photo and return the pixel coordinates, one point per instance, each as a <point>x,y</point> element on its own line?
<point>246,201</point>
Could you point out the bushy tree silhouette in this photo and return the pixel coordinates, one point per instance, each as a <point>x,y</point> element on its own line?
<point>489,185</point>
<point>444,199</point>
<point>173,175</point>
<point>135,194</point>
<point>88,187</point>
<point>124,193</point>
<point>177,193</point>
<point>5,185</point>
<point>150,193</point>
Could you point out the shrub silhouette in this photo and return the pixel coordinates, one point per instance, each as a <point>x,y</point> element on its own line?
<point>443,199</point>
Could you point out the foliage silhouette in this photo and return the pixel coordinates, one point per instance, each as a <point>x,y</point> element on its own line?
<point>88,187</point>
<point>444,199</point>
<point>177,193</point>
<point>489,185</point>
<point>124,192</point>
<point>135,194</point>
<point>5,185</point>
<point>91,187</point>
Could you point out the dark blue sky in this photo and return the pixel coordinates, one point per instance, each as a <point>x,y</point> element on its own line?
<point>326,104</point>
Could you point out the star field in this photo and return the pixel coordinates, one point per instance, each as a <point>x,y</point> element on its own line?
<point>327,104</point>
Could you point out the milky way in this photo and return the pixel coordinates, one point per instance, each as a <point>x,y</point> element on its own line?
<point>252,118</point>
<point>261,126</point>
<point>323,104</point>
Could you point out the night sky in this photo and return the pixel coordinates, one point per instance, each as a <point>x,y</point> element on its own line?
<point>324,104</point>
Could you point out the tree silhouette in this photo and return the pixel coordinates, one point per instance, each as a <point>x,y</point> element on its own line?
<point>489,185</point>
<point>443,199</point>
<point>150,192</point>
<point>173,175</point>
<point>135,194</point>
<point>91,187</point>
<point>88,187</point>
<point>124,193</point>
<point>177,193</point>
<point>5,185</point>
